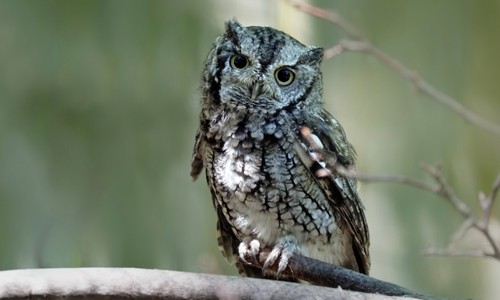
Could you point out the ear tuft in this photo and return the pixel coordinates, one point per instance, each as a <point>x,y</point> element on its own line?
<point>316,54</point>
<point>312,57</point>
<point>234,30</point>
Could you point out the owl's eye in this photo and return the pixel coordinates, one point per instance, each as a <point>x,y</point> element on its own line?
<point>239,61</point>
<point>284,76</point>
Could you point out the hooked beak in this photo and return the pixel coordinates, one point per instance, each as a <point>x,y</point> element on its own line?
<point>256,90</point>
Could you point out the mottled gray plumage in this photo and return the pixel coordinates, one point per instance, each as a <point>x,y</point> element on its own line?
<point>261,126</point>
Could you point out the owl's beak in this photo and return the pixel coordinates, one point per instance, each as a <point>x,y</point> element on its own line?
<point>256,90</point>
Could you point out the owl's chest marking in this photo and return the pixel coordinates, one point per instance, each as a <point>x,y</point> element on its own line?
<point>263,188</point>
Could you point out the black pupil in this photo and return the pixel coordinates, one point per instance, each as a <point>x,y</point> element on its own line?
<point>240,62</point>
<point>284,75</point>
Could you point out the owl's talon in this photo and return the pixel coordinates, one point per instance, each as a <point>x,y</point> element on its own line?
<point>282,252</point>
<point>249,249</point>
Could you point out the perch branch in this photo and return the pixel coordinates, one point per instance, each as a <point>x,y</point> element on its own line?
<point>129,283</point>
<point>317,272</point>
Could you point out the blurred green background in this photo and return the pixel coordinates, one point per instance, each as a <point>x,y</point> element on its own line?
<point>99,106</point>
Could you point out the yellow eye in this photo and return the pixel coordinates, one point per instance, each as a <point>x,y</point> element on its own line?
<point>284,76</point>
<point>239,61</point>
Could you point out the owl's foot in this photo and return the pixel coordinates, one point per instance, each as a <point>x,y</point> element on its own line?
<point>281,253</point>
<point>248,251</point>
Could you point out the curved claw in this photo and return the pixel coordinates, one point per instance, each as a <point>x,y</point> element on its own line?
<point>282,251</point>
<point>249,248</point>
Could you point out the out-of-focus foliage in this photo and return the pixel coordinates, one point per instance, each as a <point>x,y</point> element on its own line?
<point>97,115</point>
<point>99,105</point>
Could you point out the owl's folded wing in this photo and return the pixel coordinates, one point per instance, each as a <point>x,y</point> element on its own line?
<point>322,146</point>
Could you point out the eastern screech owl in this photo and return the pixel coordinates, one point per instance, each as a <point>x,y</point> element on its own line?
<point>262,136</point>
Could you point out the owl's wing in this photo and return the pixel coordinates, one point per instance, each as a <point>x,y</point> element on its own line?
<point>323,144</point>
<point>197,160</point>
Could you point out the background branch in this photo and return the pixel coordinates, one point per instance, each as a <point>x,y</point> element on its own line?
<point>445,191</point>
<point>358,43</point>
<point>441,187</point>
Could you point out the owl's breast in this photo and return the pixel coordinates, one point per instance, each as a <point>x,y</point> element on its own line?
<point>248,152</point>
<point>237,170</point>
<point>265,191</point>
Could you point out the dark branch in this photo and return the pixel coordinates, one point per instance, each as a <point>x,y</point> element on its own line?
<point>320,273</point>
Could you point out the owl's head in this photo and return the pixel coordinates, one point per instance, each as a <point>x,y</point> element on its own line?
<point>263,70</point>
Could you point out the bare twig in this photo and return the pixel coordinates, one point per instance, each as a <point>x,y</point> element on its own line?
<point>486,203</point>
<point>446,192</point>
<point>441,188</point>
<point>456,252</point>
<point>359,43</point>
<point>329,15</point>
<point>462,230</point>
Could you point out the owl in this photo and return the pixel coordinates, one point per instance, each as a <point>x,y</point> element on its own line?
<point>269,150</point>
